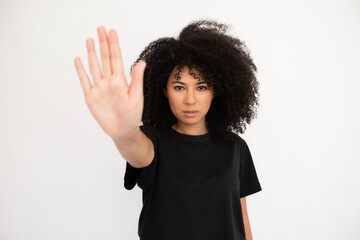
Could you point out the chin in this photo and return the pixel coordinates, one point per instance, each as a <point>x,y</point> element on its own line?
<point>189,120</point>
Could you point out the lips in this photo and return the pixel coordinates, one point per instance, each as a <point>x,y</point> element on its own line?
<point>190,111</point>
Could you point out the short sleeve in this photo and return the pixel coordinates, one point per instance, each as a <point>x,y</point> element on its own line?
<point>142,176</point>
<point>249,182</point>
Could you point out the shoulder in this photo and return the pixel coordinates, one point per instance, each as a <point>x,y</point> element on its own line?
<point>148,128</point>
<point>237,137</point>
<point>150,131</point>
<point>240,142</point>
<point>153,129</point>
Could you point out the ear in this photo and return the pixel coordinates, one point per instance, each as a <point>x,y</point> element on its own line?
<point>165,93</point>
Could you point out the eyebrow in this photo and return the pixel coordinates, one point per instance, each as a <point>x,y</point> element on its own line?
<point>177,81</point>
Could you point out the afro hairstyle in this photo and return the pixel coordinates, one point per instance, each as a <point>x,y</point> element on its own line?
<point>223,62</point>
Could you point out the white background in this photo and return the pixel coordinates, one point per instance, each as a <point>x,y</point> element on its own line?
<point>61,176</point>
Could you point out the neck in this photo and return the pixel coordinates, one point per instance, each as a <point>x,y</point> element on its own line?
<point>190,130</point>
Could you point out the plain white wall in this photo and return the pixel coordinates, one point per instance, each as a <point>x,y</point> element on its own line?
<point>61,176</point>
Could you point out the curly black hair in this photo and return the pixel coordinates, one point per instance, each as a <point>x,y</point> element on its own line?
<point>223,61</point>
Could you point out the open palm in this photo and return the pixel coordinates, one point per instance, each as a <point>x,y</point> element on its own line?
<point>115,105</point>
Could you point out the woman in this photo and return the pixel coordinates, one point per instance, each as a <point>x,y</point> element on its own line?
<point>193,94</point>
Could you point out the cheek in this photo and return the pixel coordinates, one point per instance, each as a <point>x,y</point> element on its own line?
<point>174,101</point>
<point>208,99</point>
<point>207,104</point>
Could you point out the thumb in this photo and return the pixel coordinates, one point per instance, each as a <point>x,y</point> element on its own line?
<point>137,80</point>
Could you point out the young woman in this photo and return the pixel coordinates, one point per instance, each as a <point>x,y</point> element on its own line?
<point>193,94</point>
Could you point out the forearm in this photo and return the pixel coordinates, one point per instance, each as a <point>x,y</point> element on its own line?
<point>135,148</point>
<point>248,235</point>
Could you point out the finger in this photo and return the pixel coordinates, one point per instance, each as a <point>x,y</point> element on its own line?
<point>105,52</point>
<point>84,78</point>
<point>93,61</point>
<point>137,80</point>
<point>115,52</point>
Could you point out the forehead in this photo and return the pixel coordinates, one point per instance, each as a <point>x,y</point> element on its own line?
<point>185,74</point>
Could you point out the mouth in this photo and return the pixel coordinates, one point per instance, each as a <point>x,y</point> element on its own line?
<point>190,114</point>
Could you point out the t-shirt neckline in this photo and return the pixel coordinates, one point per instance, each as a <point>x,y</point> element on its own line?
<point>202,137</point>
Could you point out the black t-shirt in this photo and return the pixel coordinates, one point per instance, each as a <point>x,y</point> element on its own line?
<point>192,188</point>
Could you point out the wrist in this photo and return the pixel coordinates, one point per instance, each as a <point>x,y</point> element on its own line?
<point>126,136</point>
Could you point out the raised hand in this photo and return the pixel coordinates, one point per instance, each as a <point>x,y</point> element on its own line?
<point>115,106</point>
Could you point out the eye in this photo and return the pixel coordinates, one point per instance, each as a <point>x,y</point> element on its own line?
<point>204,87</point>
<point>177,88</point>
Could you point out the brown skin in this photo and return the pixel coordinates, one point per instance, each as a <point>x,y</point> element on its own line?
<point>248,235</point>
<point>188,93</point>
<point>191,94</point>
<point>116,106</point>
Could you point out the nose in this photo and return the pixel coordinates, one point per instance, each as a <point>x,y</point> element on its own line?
<point>190,97</point>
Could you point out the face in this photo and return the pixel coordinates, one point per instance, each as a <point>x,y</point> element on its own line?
<point>188,94</point>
